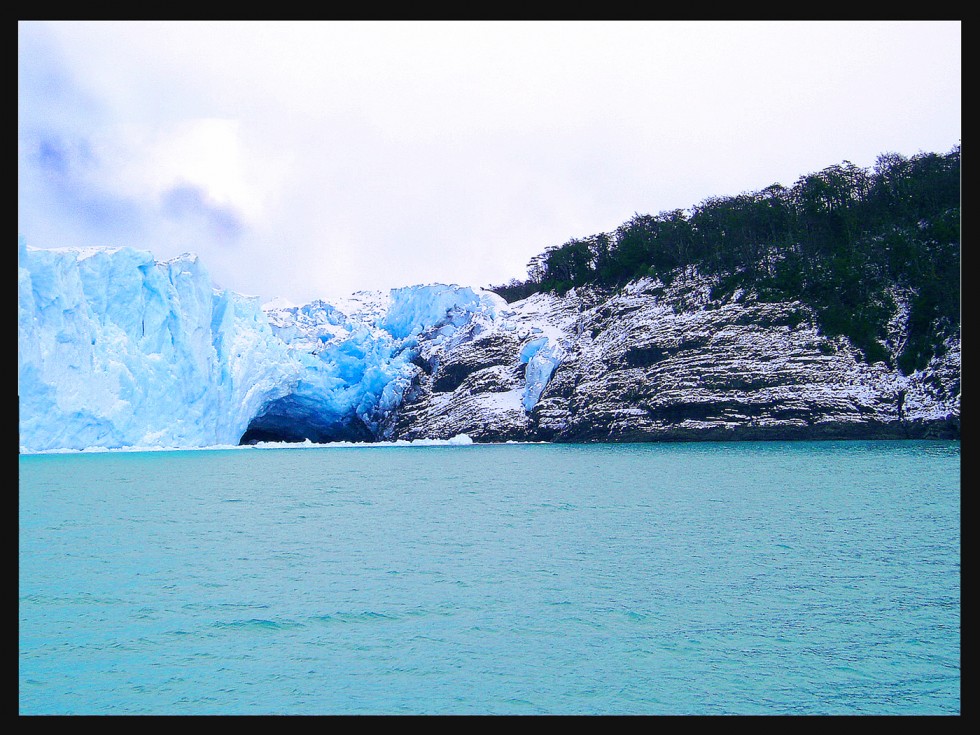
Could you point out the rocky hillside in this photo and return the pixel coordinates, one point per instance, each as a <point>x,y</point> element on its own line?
<point>656,363</point>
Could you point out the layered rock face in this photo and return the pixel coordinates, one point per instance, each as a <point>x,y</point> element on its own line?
<point>658,363</point>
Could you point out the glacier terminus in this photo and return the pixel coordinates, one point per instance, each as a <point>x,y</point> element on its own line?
<point>117,350</point>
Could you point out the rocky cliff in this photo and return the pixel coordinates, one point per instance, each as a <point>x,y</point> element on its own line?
<point>653,362</point>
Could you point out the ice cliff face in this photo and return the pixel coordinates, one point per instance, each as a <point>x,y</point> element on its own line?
<point>115,350</point>
<point>358,359</point>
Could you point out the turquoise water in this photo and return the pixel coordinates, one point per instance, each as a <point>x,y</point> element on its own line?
<point>744,578</point>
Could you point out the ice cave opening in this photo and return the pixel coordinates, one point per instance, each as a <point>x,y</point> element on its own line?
<point>297,418</point>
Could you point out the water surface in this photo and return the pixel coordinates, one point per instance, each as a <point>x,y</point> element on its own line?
<point>703,578</point>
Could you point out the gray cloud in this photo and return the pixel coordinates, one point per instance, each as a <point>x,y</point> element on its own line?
<point>187,202</point>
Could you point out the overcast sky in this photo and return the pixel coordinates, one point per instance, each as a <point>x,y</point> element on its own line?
<point>314,159</point>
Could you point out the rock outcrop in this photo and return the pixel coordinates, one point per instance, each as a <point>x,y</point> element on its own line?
<point>658,363</point>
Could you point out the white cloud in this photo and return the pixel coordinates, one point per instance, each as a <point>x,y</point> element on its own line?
<point>346,155</point>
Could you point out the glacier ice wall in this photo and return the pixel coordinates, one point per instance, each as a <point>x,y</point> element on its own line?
<point>116,349</point>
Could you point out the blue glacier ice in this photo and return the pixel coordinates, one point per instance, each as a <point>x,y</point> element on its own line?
<point>356,364</point>
<point>542,357</point>
<point>117,350</point>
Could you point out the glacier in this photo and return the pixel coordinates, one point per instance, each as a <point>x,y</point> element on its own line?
<point>357,359</point>
<point>119,350</point>
<point>116,349</point>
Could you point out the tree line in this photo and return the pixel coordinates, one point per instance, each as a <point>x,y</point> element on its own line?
<point>842,240</point>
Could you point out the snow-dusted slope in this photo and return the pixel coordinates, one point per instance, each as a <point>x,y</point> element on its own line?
<point>667,363</point>
<point>116,349</point>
